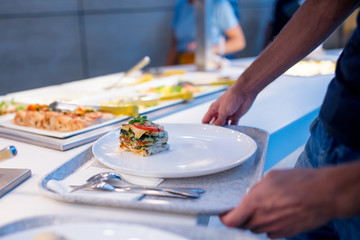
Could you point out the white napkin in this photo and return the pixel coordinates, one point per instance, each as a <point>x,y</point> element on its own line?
<point>78,178</point>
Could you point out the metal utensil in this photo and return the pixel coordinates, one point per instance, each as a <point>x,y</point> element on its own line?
<point>108,176</point>
<point>142,63</point>
<point>130,110</point>
<point>127,107</point>
<point>180,192</point>
<point>186,96</point>
<point>221,81</point>
<point>104,186</point>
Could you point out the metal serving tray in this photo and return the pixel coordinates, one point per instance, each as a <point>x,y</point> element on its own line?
<point>224,190</point>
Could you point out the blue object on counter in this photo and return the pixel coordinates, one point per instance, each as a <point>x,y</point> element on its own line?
<point>7,152</point>
<point>13,150</point>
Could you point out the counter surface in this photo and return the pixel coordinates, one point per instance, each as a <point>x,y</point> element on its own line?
<point>283,102</point>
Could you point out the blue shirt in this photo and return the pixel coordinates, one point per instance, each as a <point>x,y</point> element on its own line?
<point>184,22</point>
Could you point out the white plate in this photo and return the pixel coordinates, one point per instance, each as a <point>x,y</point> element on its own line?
<point>7,121</point>
<point>96,230</point>
<point>195,150</point>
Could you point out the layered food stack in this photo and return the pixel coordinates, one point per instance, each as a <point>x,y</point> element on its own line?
<point>143,137</point>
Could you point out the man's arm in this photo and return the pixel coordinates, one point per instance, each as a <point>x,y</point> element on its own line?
<point>309,26</point>
<point>288,202</point>
<point>347,189</point>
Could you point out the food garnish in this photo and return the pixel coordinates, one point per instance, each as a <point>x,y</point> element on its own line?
<point>7,107</point>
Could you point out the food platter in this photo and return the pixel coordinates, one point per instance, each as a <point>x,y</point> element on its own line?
<point>306,68</point>
<point>7,122</point>
<point>195,150</point>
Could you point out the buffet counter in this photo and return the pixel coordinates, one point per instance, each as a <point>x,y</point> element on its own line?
<point>283,110</point>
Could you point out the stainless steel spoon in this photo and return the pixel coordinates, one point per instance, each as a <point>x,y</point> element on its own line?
<point>143,62</point>
<point>108,176</point>
<point>105,186</point>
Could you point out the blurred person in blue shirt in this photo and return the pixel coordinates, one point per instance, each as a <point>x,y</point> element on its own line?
<point>226,32</point>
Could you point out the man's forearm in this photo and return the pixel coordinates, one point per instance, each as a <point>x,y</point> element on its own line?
<point>310,25</point>
<point>346,189</point>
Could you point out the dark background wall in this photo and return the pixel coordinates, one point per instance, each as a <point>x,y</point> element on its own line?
<point>51,42</point>
<point>46,42</point>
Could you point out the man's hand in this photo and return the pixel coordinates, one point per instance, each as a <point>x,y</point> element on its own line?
<point>285,203</point>
<point>230,107</point>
